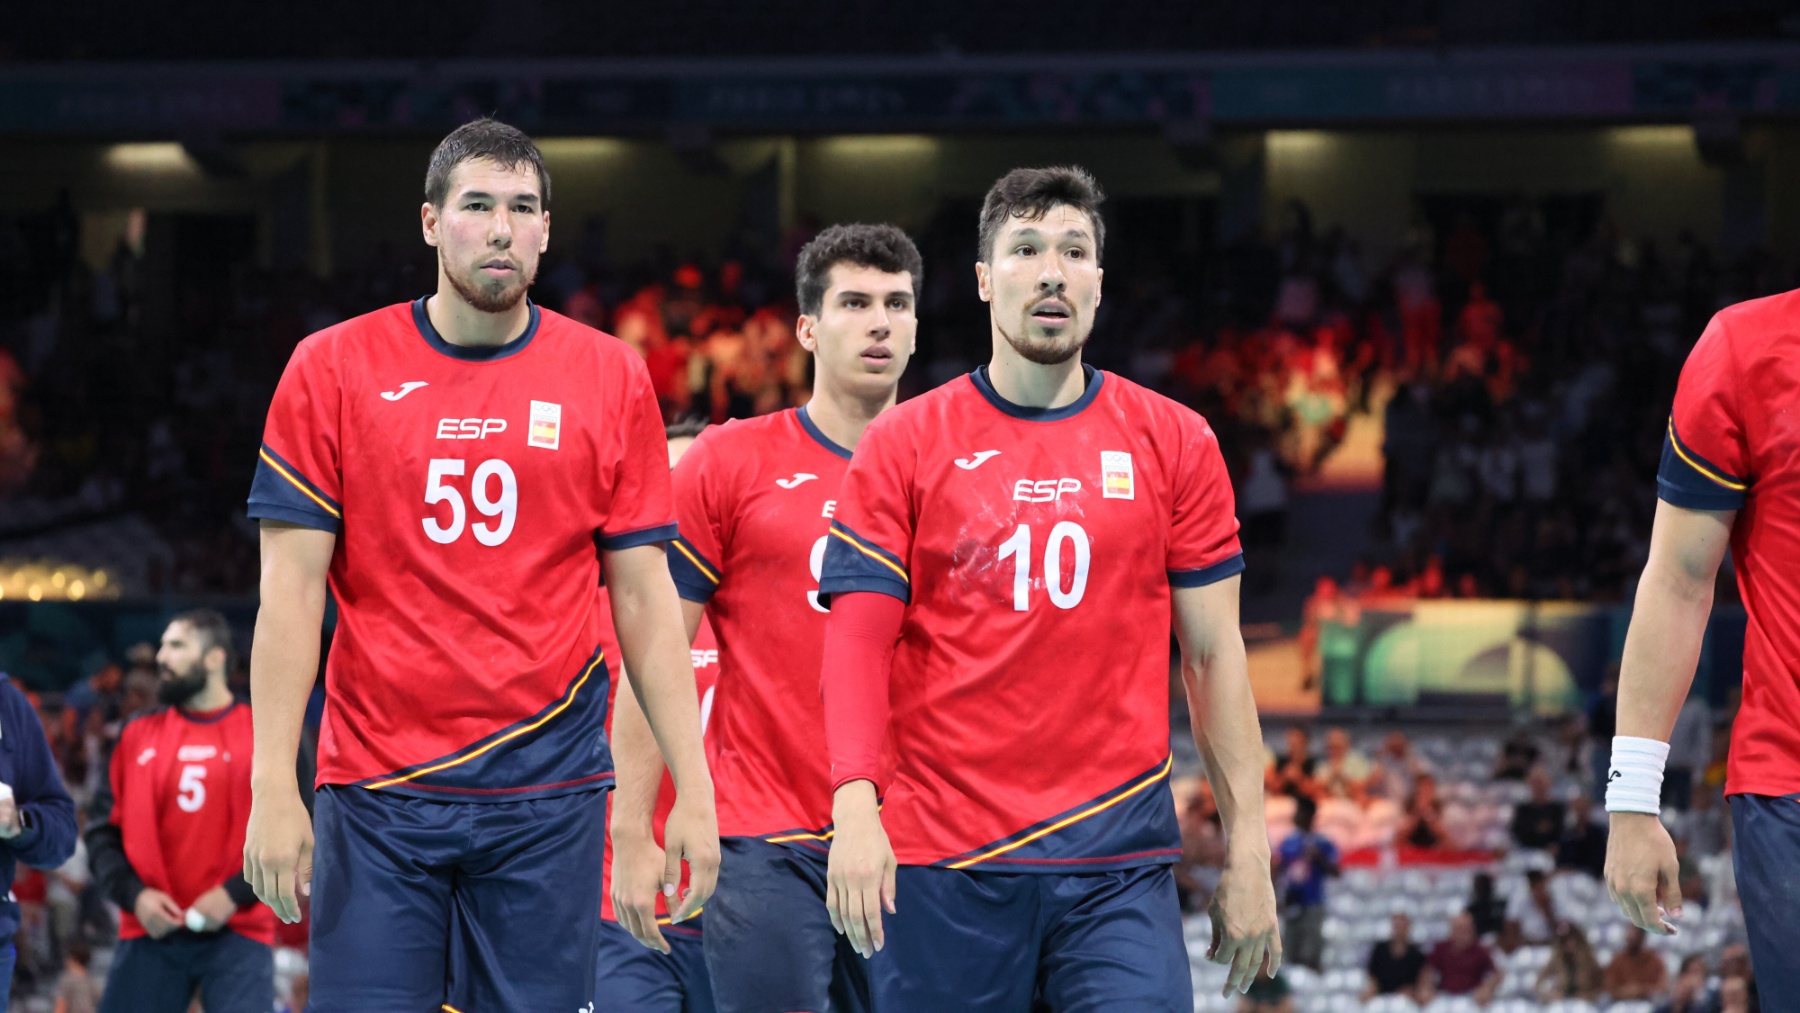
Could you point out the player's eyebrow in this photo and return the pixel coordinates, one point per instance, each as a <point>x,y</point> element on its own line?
<point>1028,232</point>
<point>473,195</point>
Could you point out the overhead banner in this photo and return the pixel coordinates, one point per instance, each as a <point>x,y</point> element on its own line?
<point>907,94</point>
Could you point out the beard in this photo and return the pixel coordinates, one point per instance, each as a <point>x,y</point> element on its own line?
<point>176,689</point>
<point>1048,351</point>
<point>490,298</point>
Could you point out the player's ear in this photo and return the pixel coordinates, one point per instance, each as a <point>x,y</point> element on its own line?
<point>984,281</point>
<point>544,241</point>
<point>215,656</point>
<point>428,222</point>
<point>803,332</point>
<point>1099,277</point>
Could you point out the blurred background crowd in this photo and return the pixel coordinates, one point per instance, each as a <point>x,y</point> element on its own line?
<point>1518,376</point>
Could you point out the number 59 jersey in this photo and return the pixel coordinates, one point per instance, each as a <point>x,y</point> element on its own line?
<point>1036,549</point>
<point>470,489</point>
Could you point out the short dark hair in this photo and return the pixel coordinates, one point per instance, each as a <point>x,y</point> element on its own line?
<point>684,428</point>
<point>1031,193</point>
<point>210,626</point>
<point>488,139</point>
<point>882,247</point>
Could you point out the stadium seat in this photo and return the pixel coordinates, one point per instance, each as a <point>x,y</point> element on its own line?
<point>1517,984</point>
<point>1344,980</point>
<point>1303,980</point>
<point>1380,823</point>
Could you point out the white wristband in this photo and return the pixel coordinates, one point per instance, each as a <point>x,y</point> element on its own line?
<point>1634,782</point>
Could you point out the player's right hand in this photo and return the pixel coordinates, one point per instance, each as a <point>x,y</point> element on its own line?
<point>278,850</point>
<point>861,871</point>
<point>1643,875</point>
<point>637,879</point>
<point>158,913</point>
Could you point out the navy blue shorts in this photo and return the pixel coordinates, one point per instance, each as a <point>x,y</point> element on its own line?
<point>636,979</point>
<point>477,907</point>
<point>769,942</point>
<point>1014,942</point>
<point>236,974</point>
<point>1765,841</point>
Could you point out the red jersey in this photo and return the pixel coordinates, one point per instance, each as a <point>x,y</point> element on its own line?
<point>1733,443</point>
<point>1035,549</point>
<point>706,677</point>
<point>181,801</point>
<point>470,489</point>
<point>755,499</point>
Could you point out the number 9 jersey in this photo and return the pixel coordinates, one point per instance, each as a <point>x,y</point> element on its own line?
<point>1036,549</point>
<point>470,489</point>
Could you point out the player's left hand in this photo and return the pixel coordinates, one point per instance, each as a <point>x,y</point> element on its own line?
<point>1246,933</point>
<point>691,835</point>
<point>637,877</point>
<point>216,906</point>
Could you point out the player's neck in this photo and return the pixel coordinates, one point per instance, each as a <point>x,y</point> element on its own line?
<point>1035,385</point>
<point>843,417</point>
<point>216,696</point>
<point>461,324</point>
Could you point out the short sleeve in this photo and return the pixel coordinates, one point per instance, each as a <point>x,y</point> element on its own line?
<point>700,501</point>
<point>640,507</point>
<point>1706,458</point>
<point>1203,537</point>
<point>299,475</point>
<point>871,535</point>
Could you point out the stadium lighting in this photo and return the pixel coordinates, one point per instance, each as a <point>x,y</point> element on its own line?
<point>161,156</point>
<point>561,148</point>
<point>881,146</point>
<point>1653,136</point>
<point>1297,142</point>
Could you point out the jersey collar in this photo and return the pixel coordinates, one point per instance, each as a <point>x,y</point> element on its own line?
<point>1094,379</point>
<point>473,353</point>
<point>818,434</point>
<point>207,717</point>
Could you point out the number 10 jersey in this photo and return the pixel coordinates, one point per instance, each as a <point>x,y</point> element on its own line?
<point>1036,549</point>
<point>470,489</point>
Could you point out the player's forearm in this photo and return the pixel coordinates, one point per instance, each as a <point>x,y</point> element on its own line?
<point>637,764</point>
<point>1668,621</point>
<point>1229,736</point>
<point>284,663</point>
<point>653,637</point>
<point>1662,648</point>
<point>854,800</point>
<point>858,661</point>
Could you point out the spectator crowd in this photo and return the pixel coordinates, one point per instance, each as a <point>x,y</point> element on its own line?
<point>1465,873</point>
<point>1520,364</point>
